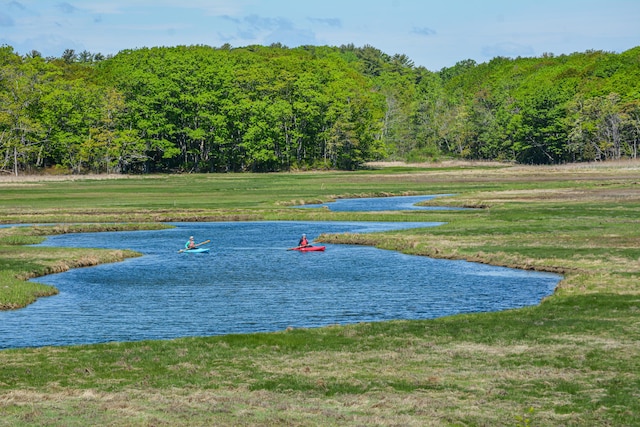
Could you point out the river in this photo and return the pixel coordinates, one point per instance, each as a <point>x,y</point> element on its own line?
<point>250,282</point>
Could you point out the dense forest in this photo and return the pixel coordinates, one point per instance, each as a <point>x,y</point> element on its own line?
<point>273,108</point>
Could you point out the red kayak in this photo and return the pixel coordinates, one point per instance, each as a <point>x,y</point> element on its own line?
<point>309,248</point>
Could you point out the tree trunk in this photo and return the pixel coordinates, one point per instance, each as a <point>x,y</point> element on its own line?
<point>15,161</point>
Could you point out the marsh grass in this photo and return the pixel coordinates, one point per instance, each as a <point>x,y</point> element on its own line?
<point>572,366</point>
<point>573,360</point>
<point>19,262</point>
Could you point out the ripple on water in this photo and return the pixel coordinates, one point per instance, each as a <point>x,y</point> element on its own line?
<point>251,283</point>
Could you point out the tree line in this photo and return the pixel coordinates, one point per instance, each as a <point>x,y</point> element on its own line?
<point>272,108</point>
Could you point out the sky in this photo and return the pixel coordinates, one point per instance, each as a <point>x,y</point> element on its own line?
<point>431,33</point>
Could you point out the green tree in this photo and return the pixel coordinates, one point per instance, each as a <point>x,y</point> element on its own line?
<point>22,82</point>
<point>71,108</point>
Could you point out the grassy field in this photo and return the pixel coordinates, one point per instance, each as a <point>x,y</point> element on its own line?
<point>574,360</point>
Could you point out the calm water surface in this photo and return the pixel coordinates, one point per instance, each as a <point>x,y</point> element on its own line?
<point>375,204</point>
<point>249,282</point>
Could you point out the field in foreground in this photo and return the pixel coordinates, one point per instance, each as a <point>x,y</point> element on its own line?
<point>572,360</point>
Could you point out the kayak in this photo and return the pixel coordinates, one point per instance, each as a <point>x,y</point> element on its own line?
<point>196,250</point>
<point>310,249</point>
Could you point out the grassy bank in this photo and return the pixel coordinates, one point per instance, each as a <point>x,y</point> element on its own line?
<point>572,360</point>
<point>20,262</point>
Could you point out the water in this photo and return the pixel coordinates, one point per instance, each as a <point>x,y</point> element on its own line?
<point>369,204</point>
<point>250,282</point>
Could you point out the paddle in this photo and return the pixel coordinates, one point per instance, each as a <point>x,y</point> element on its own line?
<point>299,247</point>
<point>186,249</point>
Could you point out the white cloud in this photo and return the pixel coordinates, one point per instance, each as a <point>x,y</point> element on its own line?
<point>432,33</point>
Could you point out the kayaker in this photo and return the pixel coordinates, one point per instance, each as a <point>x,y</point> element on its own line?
<point>303,241</point>
<point>191,244</point>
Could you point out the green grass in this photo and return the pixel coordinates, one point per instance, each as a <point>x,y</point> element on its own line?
<point>573,360</point>
<point>19,262</point>
<point>508,361</point>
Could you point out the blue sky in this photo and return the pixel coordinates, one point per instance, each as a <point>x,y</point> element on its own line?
<point>432,33</point>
